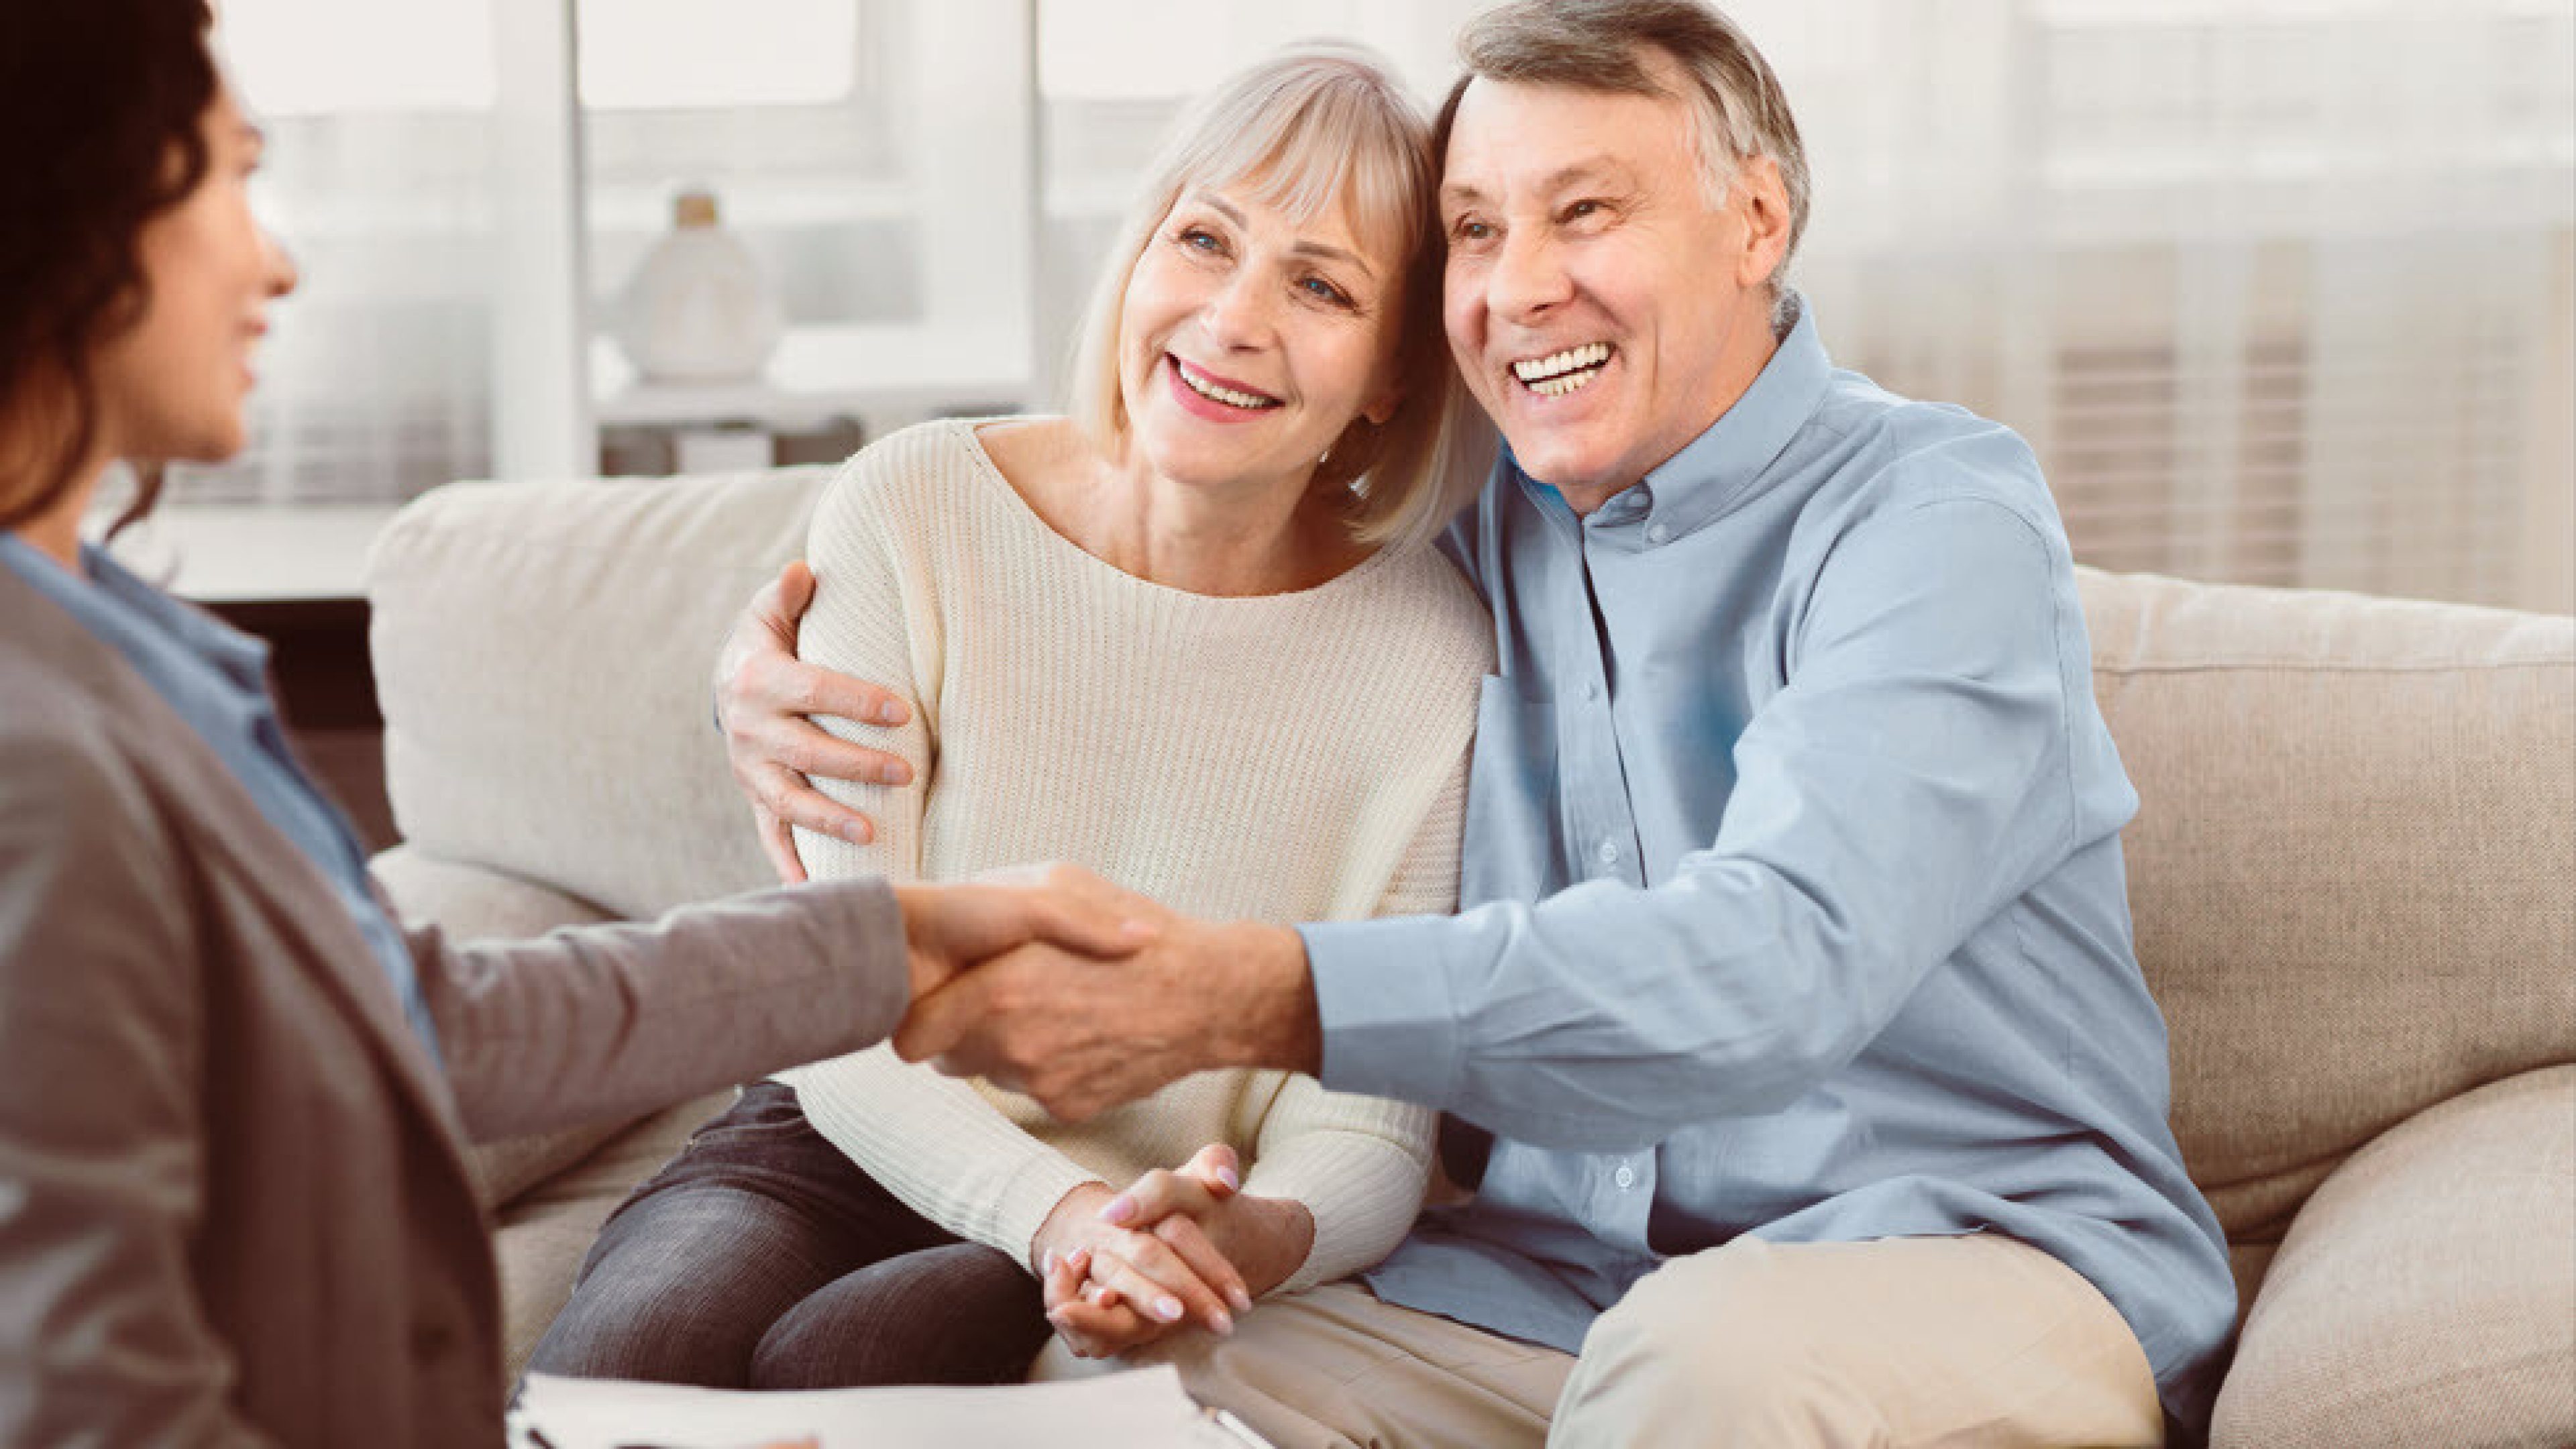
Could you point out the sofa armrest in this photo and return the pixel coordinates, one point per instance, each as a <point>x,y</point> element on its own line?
<point>2426,1294</point>
<point>474,903</point>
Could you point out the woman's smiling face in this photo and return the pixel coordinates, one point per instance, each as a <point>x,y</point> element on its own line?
<point>173,385</point>
<point>1249,341</point>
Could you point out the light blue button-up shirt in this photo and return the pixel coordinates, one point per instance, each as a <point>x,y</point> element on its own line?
<point>216,678</point>
<point>1795,900</point>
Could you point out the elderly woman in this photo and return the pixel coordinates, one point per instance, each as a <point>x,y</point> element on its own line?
<point>1189,636</point>
<point>234,1205</point>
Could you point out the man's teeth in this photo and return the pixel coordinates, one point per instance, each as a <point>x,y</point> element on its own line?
<point>1226,395</point>
<point>1563,372</point>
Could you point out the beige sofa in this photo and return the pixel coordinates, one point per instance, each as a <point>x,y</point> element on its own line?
<point>2354,880</point>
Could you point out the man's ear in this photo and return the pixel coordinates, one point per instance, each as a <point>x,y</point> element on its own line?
<point>1762,200</point>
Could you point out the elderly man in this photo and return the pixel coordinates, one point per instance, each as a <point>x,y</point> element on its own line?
<point>1793,1040</point>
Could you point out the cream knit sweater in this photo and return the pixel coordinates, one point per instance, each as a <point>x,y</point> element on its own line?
<point>1283,758</point>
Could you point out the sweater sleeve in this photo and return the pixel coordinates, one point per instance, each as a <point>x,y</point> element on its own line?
<point>1361,1164</point>
<point>859,624</point>
<point>938,1146</point>
<point>933,1141</point>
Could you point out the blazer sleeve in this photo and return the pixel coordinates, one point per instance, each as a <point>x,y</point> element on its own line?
<point>595,1022</point>
<point>102,1164</point>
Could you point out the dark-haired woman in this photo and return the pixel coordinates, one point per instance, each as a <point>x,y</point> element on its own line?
<point>233,1206</point>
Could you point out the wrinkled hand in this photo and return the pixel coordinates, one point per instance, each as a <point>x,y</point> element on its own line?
<point>1090,1317</point>
<point>1082,1034</point>
<point>1110,1288</point>
<point>949,928</point>
<point>1100,1300</point>
<point>1264,1239</point>
<point>765,697</point>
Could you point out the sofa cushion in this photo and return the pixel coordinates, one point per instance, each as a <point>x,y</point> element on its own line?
<point>543,652</point>
<point>2427,1293</point>
<point>2351,862</point>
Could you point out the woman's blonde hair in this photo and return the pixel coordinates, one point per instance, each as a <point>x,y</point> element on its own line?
<point>1315,125</point>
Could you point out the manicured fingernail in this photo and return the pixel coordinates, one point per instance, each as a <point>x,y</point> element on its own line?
<point>1046,1266</point>
<point>1139,930</point>
<point>1118,1209</point>
<point>1232,1179</point>
<point>1222,1322</point>
<point>896,774</point>
<point>890,713</point>
<point>1168,1309</point>
<point>1241,1300</point>
<point>1079,1259</point>
<point>857,832</point>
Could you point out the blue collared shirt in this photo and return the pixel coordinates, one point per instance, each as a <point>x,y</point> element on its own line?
<point>216,678</point>
<point>1794,895</point>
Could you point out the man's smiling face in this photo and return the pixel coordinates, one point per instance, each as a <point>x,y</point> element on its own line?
<point>1603,310</point>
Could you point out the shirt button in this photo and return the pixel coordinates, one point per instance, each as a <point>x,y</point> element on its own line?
<point>1626,1177</point>
<point>1591,690</point>
<point>1659,533</point>
<point>1609,852</point>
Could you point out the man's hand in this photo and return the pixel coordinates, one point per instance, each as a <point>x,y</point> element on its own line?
<point>1082,1034</point>
<point>948,928</point>
<point>764,697</point>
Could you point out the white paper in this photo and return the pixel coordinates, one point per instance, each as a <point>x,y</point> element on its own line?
<point>1136,1409</point>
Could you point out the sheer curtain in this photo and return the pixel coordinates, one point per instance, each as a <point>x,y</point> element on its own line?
<point>2280,289</point>
<point>378,179</point>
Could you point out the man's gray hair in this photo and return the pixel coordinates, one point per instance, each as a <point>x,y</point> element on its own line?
<point>1603,45</point>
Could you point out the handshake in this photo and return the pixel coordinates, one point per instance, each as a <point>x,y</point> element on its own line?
<point>1052,982</point>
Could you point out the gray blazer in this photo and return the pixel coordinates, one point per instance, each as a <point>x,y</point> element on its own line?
<point>233,1205</point>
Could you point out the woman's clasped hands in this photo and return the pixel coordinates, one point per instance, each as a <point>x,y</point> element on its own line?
<point>1124,1269</point>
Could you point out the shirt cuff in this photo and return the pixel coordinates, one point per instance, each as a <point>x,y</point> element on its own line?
<point>1390,1022</point>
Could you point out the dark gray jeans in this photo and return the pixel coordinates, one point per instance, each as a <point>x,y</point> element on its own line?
<point>763,1258</point>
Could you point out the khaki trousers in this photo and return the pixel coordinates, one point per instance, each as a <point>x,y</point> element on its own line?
<point>1975,1340</point>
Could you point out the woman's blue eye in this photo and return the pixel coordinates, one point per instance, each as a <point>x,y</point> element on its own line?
<point>1326,290</point>
<point>1199,240</point>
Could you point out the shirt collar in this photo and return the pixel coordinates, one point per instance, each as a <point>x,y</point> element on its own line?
<point>1724,466</point>
<point>172,645</point>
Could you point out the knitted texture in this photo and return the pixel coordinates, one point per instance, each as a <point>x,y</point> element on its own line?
<point>1280,758</point>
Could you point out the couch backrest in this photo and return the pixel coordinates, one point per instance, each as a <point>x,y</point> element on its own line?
<point>543,654</point>
<point>2353,871</point>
